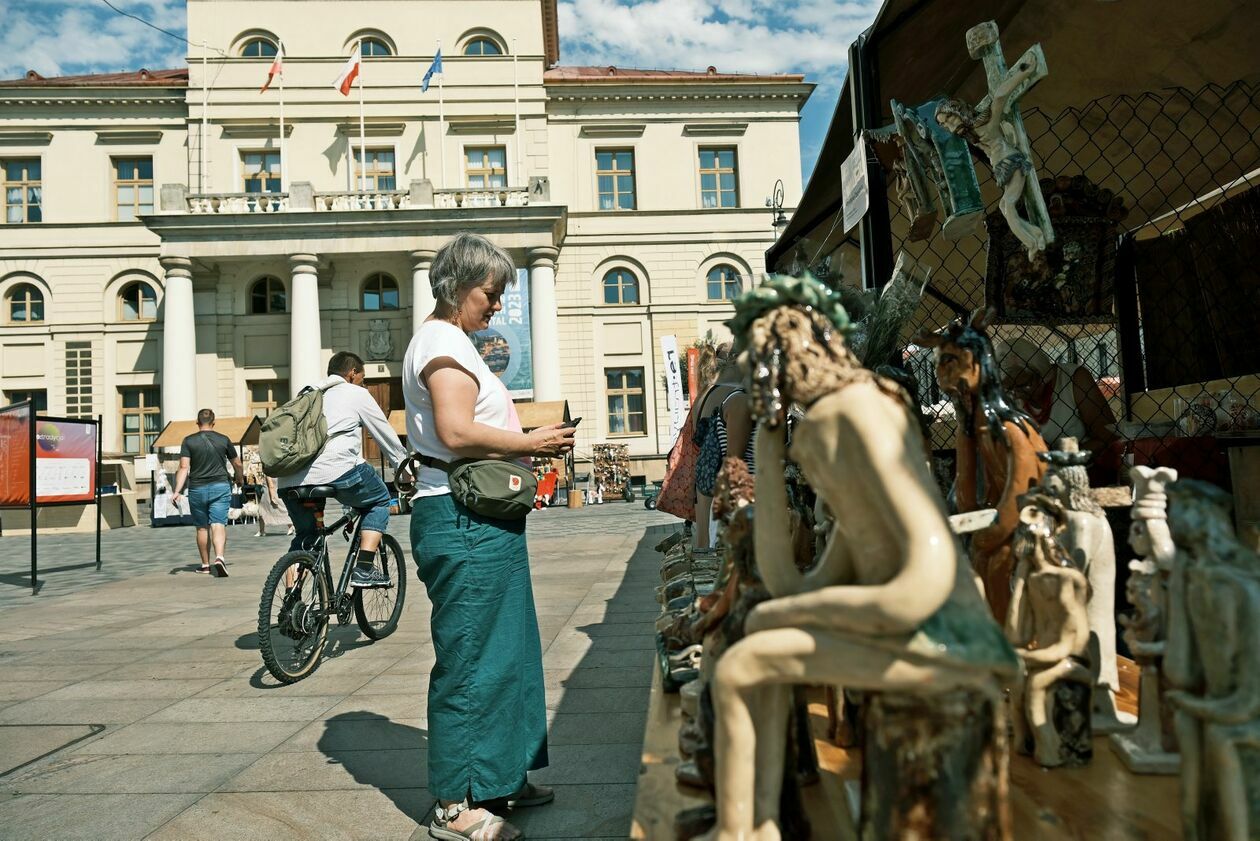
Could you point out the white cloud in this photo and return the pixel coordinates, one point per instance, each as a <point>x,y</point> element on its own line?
<point>60,37</point>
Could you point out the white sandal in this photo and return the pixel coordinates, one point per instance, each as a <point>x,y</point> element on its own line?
<point>487,829</point>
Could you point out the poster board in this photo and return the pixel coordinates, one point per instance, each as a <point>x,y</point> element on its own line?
<point>506,346</point>
<point>65,461</point>
<point>15,456</point>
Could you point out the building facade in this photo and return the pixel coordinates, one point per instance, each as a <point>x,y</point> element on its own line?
<point>167,247</point>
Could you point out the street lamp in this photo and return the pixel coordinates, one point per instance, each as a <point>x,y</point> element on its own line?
<point>775,203</point>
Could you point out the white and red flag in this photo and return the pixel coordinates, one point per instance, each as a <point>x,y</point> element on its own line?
<point>277,68</point>
<point>349,72</point>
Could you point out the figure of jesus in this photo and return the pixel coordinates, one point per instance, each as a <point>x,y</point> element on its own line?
<point>991,130</point>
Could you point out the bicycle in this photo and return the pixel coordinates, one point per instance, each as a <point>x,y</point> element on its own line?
<point>299,598</point>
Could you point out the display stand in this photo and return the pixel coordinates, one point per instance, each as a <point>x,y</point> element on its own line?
<point>48,462</point>
<point>240,431</point>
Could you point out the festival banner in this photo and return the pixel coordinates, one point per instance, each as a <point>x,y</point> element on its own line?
<point>506,346</point>
<point>65,461</point>
<point>15,456</point>
<point>693,374</point>
<point>673,388</point>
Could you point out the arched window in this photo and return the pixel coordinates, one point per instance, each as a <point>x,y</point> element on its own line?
<point>621,287</point>
<point>26,304</point>
<point>482,46</point>
<point>137,302</point>
<point>374,47</point>
<point>258,48</point>
<point>723,283</point>
<point>380,292</point>
<point>267,296</point>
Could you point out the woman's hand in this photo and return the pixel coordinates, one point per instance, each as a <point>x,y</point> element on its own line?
<point>551,441</point>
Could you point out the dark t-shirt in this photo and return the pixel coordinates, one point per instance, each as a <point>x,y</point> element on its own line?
<point>208,454</point>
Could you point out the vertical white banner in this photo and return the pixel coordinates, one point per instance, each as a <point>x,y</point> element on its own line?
<point>673,387</point>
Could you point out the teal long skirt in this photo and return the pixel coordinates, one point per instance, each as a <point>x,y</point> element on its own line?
<point>487,713</point>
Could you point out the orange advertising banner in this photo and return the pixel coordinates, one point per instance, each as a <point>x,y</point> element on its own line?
<point>65,460</point>
<point>15,456</point>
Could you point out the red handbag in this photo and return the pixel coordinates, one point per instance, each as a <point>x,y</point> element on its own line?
<point>678,489</point>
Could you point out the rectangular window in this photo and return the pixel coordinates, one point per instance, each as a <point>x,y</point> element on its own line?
<point>38,397</point>
<point>718,175</point>
<point>141,418</point>
<point>486,166</point>
<point>260,172</point>
<point>23,191</point>
<point>379,172</point>
<point>627,409</point>
<point>266,396</point>
<point>133,187</point>
<point>614,173</point>
<point>79,379</point>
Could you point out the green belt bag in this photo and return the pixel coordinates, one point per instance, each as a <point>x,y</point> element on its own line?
<point>503,490</point>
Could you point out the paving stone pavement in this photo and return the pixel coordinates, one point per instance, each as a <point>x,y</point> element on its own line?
<point>134,704</point>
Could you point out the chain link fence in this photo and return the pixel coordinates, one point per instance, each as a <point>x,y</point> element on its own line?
<point>1140,331</point>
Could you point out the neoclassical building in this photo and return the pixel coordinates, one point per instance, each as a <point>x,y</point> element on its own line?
<point>166,246</point>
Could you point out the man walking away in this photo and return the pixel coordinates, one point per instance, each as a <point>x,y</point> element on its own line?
<point>348,409</point>
<point>204,457</point>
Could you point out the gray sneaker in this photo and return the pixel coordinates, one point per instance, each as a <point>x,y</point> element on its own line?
<point>369,578</point>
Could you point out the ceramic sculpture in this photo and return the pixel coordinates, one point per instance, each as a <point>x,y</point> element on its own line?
<point>996,446</point>
<point>890,608</point>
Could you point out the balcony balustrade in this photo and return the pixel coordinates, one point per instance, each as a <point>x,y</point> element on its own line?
<point>302,197</point>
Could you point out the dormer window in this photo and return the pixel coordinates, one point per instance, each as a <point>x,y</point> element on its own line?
<point>258,48</point>
<point>482,46</point>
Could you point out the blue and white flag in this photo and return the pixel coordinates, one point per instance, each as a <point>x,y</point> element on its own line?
<point>435,67</point>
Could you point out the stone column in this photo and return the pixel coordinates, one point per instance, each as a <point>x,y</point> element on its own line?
<point>179,342</point>
<point>422,300</point>
<point>544,325</point>
<point>304,339</point>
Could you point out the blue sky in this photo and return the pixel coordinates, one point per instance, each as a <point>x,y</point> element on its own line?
<point>59,37</point>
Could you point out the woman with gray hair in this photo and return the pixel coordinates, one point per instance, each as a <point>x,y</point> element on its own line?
<point>487,715</point>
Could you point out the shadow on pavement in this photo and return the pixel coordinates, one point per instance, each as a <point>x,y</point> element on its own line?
<point>341,640</point>
<point>361,742</point>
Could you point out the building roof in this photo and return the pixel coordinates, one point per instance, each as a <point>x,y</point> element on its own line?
<point>177,78</point>
<point>635,75</point>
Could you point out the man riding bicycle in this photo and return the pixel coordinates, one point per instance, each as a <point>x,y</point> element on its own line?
<point>348,409</point>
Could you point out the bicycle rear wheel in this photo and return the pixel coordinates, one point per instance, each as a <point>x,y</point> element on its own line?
<point>378,609</point>
<point>293,617</point>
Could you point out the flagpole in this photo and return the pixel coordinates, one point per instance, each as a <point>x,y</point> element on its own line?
<point>516,106</point>
<point>362,128</point>
<point>205,112</point>
<point>441,121</point>
<point>284,161</point>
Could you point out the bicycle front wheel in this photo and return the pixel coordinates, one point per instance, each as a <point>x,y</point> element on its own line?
<point>378,609</point>
<point>293,617</point>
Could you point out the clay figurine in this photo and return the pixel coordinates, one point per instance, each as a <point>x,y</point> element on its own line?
<point>1049,627</point>
<point>996,443</point>
<point>996,127</point>
<point>1088,541</point>
<point>1213,662</point>
<point>1151,747</point>
<point>890,607</point>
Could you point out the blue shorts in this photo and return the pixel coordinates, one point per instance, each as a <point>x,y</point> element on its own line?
<point>209,504</point>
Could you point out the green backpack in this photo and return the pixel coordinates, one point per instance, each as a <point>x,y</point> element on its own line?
<point>294,435</point>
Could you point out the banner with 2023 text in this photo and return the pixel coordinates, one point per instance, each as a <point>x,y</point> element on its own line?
<point>506,346</point>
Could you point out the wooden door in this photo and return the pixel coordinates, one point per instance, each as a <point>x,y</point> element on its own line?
<point>388,394</point>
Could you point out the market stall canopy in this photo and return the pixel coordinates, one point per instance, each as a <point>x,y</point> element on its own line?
<point>534,415</point>
<point>240,431</point>
<point>1093,49</point>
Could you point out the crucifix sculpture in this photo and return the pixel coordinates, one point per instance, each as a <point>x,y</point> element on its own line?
<point>995,126</point>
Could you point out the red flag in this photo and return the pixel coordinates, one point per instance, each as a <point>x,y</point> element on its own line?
<point>277,68</point>
<point>349,73</point>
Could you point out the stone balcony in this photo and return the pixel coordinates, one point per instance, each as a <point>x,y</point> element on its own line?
<point>175,199</point>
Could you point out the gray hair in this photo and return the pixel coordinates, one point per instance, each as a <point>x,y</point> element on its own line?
<point>466,262</point>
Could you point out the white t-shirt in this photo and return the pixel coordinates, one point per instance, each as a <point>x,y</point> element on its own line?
<point>436,339</point>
